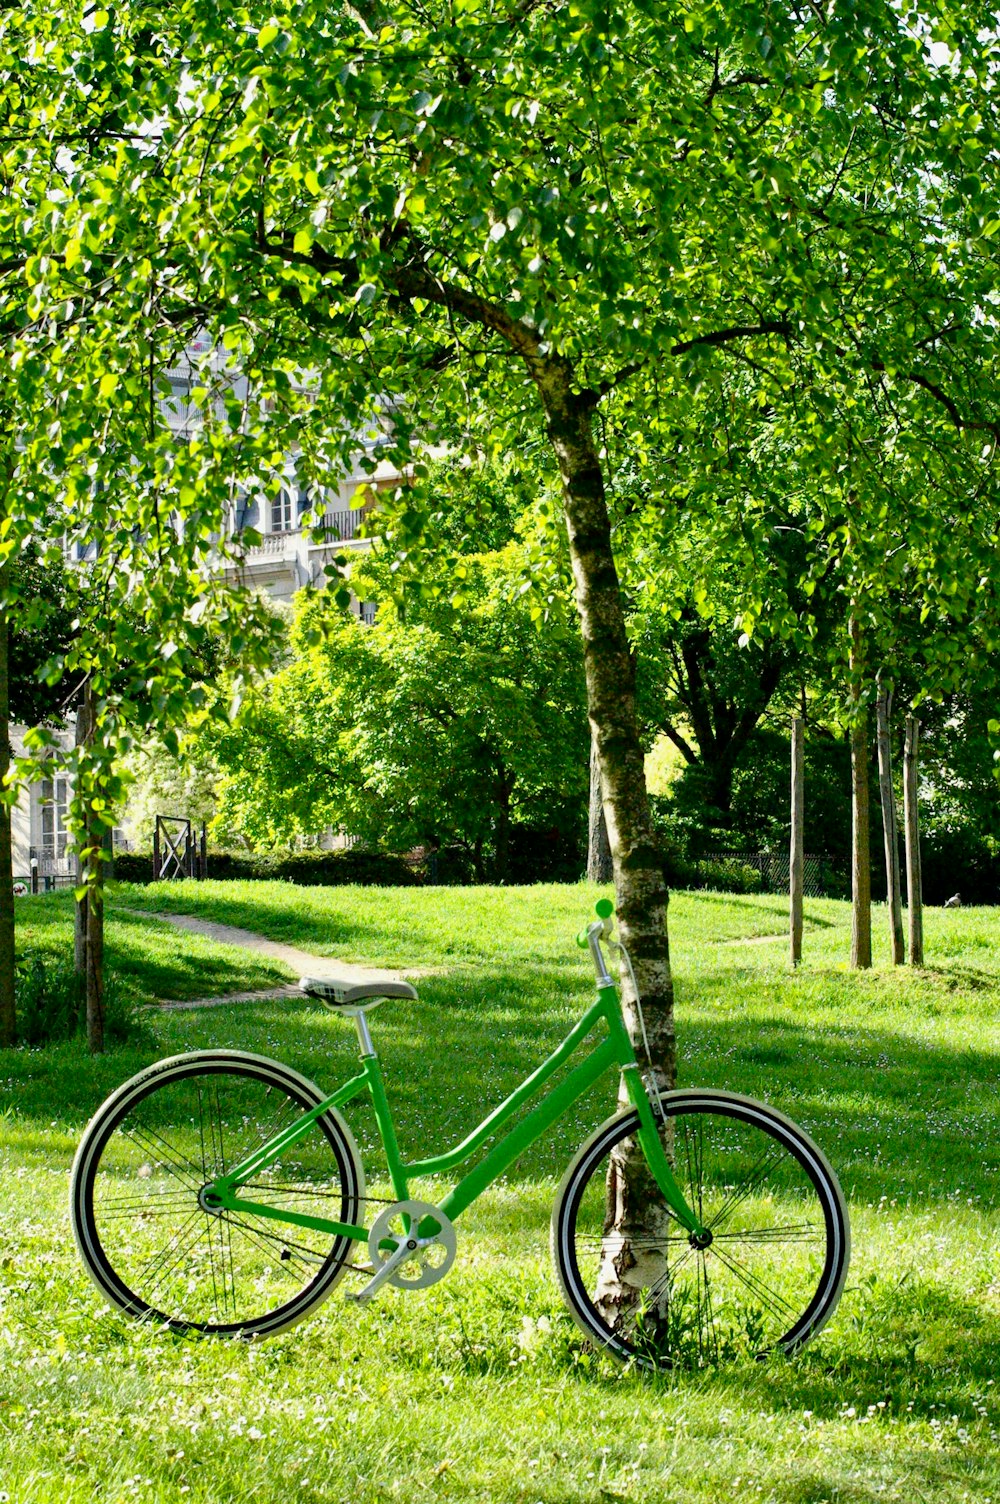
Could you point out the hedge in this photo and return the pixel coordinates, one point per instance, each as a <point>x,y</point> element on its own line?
<point>368,869</point>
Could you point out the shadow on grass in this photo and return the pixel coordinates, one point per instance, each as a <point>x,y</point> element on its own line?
<point>779,909</point>
<point>910,1121</point>
<point>151,958</point>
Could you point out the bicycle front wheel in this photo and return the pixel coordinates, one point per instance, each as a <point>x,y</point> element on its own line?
<point>766,1274</point>
<point>150,1245</point>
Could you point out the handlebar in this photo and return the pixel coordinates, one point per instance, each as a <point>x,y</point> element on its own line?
<point>597,930</point>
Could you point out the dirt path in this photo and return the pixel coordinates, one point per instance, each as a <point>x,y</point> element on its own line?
<point>302,961</point>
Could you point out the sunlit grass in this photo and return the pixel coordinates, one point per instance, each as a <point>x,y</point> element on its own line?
<point>477,1388</point>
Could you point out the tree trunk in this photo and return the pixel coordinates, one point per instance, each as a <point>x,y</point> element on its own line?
<point>81,737</point>
<point>889,827</point>
<point>8,1017</point>
<point>634,1259</point>
<point>861,874</point>
<point>95,947</point>
<point>89,936</point>
<point>640,887</point>
<point>796,860</point>
<point>914,887</point>
<point>599,865</point>
<point>501,838</point>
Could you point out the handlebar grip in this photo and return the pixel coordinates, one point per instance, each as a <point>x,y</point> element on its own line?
<point>604,909</point>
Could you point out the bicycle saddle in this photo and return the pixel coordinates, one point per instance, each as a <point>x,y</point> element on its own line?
<point>354,997</point>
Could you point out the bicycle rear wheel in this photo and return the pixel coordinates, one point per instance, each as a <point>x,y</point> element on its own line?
<point>768,1274</point>
<point>156,1252</point>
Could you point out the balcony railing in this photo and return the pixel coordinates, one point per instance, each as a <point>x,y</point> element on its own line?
<point>271,543</point>
<point>332,527</point>
<point>341,527</point>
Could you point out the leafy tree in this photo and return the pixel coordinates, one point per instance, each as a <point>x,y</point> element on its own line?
<point>448,727</point>
<point>521,213</point>
<point>41,629</point>
<point>506,223</point>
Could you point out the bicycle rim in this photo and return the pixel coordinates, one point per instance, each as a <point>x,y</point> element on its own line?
<point>151,1246</point>
<point>771,1271</point>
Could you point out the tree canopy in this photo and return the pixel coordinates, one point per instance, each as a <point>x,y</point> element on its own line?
<point>451,727</point>
<point>502,221</point>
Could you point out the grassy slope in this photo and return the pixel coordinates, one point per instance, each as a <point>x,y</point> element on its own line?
<point>896,1075</point>
<point>153,959</point>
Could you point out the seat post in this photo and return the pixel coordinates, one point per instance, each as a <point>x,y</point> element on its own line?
<point>364,1034</point>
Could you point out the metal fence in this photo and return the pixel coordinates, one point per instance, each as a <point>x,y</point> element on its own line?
<point>820,878</point>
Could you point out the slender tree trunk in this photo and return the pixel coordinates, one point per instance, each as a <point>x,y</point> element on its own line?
<point>89,937</point>
<point>914,886</point>
<point>95,947</point>
<point>796,859</point>
<point>634,1259</point>
<point>861,872</point>
<point>640,886</point>
<point>8,1017</point>
<point>81,737</point>
<point>889,827</point>
<point>501,838</point>
<point>599,864</point>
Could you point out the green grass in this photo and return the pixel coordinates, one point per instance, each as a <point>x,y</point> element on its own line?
<point>477,1388</point>
<point>154,961</point>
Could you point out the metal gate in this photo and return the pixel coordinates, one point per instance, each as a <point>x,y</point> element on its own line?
<point>176,852</point>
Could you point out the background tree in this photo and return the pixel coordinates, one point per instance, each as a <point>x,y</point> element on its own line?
<point>449,728</point>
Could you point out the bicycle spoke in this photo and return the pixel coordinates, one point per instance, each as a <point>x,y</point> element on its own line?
<point>709,1312</point>
<point>606,1243</point>
<point>165,1199</point>
<point>778,1305</point>
<point>143,1213</point>
<point>158,1260</point>
<point>766,1162</point>
<point>263,1240</point>
<point>803,1232</point>
<point>181,1167</point>
<point>263,1192</point>
<point>211,1261</point>
<point>263,1232</point>
<point>262,1133</point>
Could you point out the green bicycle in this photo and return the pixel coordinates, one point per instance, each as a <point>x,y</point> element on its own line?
<point>222,1192</point>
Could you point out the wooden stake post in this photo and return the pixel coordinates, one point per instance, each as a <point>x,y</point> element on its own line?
<point>893,899</point>
<point>861,873</point>
<point>796,863</point>
<point>914,893</point>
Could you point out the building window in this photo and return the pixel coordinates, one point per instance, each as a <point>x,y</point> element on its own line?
<point>368,613</point>
<point>281,512</point>
<point>53,802</point>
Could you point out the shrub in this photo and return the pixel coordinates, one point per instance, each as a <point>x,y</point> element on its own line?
<point>49,998</point>
<point>726,875</point>
<point>370,869</point>
<point>51,1004</point>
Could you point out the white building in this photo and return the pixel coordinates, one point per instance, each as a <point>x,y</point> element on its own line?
<point>39,837</point>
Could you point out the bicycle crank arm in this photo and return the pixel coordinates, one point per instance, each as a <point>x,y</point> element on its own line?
<point>407,1247</point>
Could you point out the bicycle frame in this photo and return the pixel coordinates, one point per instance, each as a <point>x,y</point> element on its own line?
<point>615,1050</point>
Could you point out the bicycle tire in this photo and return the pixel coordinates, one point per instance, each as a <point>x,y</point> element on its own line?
<point>149,1245</point>
<point>774,1269</point>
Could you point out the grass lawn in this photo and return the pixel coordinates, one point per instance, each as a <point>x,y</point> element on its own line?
<point>477,1388</point>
